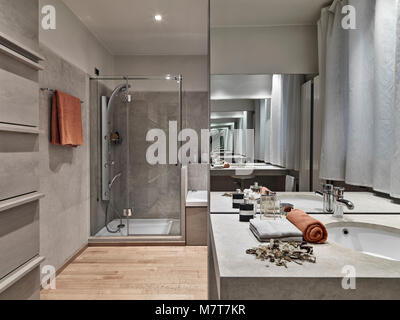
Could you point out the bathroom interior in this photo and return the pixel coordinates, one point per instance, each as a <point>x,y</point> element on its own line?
<point>140,138</point>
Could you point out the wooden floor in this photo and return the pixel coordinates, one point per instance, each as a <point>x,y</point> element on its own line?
<point>134,273</point>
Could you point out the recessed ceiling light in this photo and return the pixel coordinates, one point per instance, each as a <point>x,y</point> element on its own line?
<point>158,17</point>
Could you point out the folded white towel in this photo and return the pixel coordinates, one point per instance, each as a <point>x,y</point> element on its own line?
<point>281,229</point>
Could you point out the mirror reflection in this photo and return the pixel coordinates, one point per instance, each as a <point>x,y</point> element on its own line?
<point>260,123</point>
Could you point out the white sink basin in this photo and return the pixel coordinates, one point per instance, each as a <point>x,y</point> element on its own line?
<point>379,241</point>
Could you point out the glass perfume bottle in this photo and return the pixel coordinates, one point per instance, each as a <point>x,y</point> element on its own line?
<point>269,206</point>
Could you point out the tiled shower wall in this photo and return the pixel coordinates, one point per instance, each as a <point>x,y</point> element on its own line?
<point>152,190</point>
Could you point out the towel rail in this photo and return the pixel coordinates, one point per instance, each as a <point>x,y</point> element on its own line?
<point>52,90</point>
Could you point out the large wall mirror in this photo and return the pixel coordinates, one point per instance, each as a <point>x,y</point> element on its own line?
<point>320,96</point>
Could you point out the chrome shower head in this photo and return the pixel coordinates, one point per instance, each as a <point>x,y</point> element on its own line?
<point>125,95</point>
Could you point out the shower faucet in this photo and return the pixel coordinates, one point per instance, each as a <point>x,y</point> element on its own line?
<point>113,180</point>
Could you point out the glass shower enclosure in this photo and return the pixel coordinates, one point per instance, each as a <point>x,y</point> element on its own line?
<point>136,191</point>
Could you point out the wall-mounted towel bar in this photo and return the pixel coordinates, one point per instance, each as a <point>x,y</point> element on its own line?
<point>52,90</point>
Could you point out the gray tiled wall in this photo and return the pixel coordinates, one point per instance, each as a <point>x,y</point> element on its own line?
<point>198,176</point>
<point>152,190</point>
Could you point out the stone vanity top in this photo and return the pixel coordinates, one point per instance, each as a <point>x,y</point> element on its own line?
<point>231,238</point>
<point>364,202</point>
<point>197,198</point>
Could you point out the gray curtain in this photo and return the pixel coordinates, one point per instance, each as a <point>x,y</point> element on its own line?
<point>360,95</point>
<point>282,133</point>
<point>334,60</point>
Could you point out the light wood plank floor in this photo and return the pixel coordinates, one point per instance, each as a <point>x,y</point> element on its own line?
<point>134,273</point>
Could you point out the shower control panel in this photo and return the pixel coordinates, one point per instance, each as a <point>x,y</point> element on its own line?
<point>106,163</point>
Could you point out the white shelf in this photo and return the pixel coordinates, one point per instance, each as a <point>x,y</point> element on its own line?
<point>19,57</point>
<point>19,201</point>
<point>19,273</point>
<point>20,48</point>
<point>18,128</point>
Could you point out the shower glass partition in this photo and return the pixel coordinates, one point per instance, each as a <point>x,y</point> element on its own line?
<point>135,188</point>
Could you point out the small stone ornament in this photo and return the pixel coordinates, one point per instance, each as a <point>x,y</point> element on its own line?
<point>282,253</point>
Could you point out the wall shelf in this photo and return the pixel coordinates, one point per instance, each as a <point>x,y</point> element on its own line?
<point>19,57</point>
<point>20,200</point>
<point>20,48</point>
<point>19,273</point>
<point>18,128</point>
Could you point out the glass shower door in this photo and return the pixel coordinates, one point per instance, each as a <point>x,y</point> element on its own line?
<point>154,184</point>
<point>145,195</point>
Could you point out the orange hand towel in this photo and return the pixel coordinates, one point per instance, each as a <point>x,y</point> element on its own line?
<point>66,120</point>
<point>313,230</point>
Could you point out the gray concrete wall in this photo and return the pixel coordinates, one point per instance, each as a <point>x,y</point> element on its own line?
<point>19,20</point>
<point>73,41</point>
<point>264,50</point>
<point>194,70</point>
<point>64,171</point>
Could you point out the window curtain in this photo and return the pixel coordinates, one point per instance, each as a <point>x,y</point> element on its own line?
<point>360,88</point>
<point>282,127</point>
<point>276,147</point>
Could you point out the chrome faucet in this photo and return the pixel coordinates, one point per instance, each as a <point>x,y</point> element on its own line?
<point>328,201</point>
<point>340,202</point>
<point>113,180</point>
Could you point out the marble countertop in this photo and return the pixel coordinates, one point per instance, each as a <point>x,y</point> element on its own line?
<point>364,202</point>
<point>231,239</point>
<point>197,198</point>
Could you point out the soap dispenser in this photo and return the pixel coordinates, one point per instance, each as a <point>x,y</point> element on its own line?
<point>246,212</point>
<point>237,199</point>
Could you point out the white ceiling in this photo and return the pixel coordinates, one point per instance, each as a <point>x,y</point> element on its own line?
<point>225,13</point>
<point>226,87</point>
<point>127,27</point>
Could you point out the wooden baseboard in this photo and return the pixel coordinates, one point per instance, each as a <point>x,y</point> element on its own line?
<point>70,260</point>
<point>136,244</point>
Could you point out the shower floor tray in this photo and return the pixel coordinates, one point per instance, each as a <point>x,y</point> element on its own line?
<point>138,227</point>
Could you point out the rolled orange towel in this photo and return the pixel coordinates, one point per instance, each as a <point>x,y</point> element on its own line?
<point>264,190</point>
<point>313,230</point>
